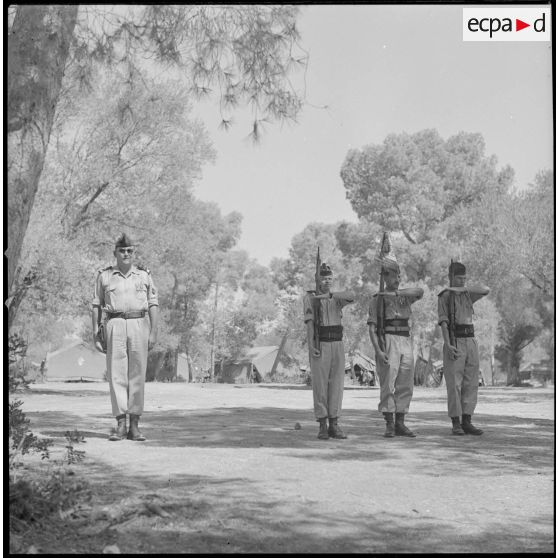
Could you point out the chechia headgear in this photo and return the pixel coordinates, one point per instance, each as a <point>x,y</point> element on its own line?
<point>457,268</point>
<point>325,270</point>
<point>385,256</point>
<point>124,241</point>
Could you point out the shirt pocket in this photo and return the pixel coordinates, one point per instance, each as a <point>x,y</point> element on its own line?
<point>141,291</point>
<point>110,296</point>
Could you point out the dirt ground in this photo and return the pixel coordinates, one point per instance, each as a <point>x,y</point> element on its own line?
<point>225,469</point>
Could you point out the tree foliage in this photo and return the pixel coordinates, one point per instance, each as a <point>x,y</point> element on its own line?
<point>246,53</point>
<point>410,183</point>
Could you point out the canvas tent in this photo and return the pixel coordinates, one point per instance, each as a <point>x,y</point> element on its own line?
<point>76,362</point>
<point>362,368</point>
<point>429,373</point>
<point>255,365</point>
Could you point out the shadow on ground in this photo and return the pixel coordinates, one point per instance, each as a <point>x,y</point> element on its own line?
<point>231,515</point>
<point>508,445</point>
<point>205,514</point>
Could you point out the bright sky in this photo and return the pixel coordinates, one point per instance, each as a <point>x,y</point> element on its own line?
<point>380,70</point>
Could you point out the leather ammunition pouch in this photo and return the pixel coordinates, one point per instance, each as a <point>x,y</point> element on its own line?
<point>397,326</point>
<point>331,333</point>
<point>464,330</point>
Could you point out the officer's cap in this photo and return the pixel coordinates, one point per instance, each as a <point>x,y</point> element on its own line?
<point>325,270</point>
<point>124,241</point>
<point>457,268</point>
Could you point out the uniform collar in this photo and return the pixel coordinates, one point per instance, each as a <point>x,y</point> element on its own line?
<point>133,269</point>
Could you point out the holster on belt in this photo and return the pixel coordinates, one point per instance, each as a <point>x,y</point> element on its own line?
<point>464,330</point>
<point>102,335</point>
<point>331,333</point>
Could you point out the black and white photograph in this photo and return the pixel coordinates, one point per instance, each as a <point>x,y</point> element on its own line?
<point>280,278</point>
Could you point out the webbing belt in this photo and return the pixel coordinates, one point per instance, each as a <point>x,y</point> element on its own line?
<point>126,315</point>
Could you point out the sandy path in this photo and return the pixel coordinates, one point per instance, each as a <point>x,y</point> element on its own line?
<point>232,474</point>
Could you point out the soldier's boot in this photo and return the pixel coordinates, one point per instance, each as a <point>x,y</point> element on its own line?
<point>120,432</point>
<point>322,434</point>
<point>456,429</point>
<point>390,426</point>
<point>335,431</point>
<point>400,428</point>
<point>134,432</point>
<point>468,427</point>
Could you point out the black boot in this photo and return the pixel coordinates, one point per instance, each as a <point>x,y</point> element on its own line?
<point>469,428</point>
<point>456,429</point>
<point>400,428</point>
<point>390,427</point>
<point>120,432</point>
<point>134,432</point>
<point>322,434</point>
<point>335,431</point>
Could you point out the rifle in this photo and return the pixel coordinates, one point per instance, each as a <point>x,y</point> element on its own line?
<point>380,308</point>
<point>451,325</point>
<point>317,303</point>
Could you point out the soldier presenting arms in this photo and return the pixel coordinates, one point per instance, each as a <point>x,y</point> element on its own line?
<point>461,355</point>
<point>388,327</point>
<point>126,295</point>
<point>322,315</point>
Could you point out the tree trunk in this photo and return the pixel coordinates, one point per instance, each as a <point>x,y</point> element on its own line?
<point>514,361</point>
<point>190,367</point>
<point>279,352</point>
<point>38,47</point>
<point>175,365</point>
<point>213,326</point>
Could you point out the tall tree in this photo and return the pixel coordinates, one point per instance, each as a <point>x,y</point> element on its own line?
<point>117,162</point>
<point>38,47</point>
<point>414,184</point>
<point>246,52</point>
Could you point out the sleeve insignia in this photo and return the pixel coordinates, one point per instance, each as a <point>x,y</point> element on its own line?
<point>143,267</point>
<point>309,311</point>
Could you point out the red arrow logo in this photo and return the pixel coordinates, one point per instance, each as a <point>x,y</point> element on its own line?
<point>519,25</point>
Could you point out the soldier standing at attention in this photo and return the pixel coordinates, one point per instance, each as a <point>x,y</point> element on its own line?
<point>461,355</point>
<point>322,310</point>
<point>393,346</point>
<point>126,295</point>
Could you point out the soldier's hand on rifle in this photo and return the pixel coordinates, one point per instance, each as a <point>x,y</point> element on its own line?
<point>453,351</point>
<point>315,352</point>
<point>382,357</point>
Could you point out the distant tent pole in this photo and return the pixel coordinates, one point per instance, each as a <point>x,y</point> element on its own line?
<point>278,356</point>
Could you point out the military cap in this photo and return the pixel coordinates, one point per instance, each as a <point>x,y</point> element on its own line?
<point>385,256</point>
<point>325,270</point>
<point>124,241</point>
<point>457,268</point>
